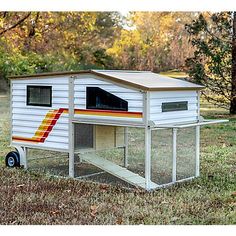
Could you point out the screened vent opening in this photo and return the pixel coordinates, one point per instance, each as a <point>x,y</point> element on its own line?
<point>39,96</point>
<point>97,98</point>
<point>84,136</point>
<point>174,106</point>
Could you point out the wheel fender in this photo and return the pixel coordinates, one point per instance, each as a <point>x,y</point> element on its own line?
<point>22,154</point>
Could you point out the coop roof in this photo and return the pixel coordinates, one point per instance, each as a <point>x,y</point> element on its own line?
<point>144,80</point>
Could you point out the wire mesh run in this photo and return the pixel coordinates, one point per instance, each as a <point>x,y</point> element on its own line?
<point>116,155</point>
<point>114,150</point>
<point>161,156</point>
<point>186,153</point>
<point>173,159</point>
<point>48,162</point>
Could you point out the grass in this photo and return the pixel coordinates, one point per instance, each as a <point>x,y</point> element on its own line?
<point>175,74</point>
<point>28,197</point>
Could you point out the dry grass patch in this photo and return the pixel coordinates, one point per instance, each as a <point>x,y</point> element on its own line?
<point>29,197</point>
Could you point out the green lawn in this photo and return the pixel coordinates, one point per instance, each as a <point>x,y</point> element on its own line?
<point>28,197</point>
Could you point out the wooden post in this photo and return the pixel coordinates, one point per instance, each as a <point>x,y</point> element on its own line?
<point>174,152</point>
<point>197,140</point>
<point>71,128</point>
<point>146,105</point>
<point>126,148</point>
<point>148,157</point>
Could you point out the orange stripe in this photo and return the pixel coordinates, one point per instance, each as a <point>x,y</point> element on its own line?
<point>107,113</point>
<point>97,113</point>
<point>16,138</point>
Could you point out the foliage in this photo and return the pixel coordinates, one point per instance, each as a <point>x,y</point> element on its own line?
<point>50,41</point>
<point>153,41</point>
<point>212,60</point>
<point>33,42</point>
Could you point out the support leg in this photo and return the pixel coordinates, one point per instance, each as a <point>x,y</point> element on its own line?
<point>71,151</point>
<point>23,156</point>
<point>174,138</point>
<point>25,159</point>
<point>197,171</point>
<point>126,148</point>
<point>148,157</point>
<point>71,127</point>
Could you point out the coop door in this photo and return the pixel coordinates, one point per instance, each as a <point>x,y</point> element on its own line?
<point>84,136</point>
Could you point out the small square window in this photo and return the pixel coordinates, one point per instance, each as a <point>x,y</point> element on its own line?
<point>174,106</point>
<point>39,96</point>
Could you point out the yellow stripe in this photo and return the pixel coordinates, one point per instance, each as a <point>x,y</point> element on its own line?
<point>115,114</point>
<point>46,121</point>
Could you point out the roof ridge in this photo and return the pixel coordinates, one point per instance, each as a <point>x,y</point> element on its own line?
<point>125,71</point>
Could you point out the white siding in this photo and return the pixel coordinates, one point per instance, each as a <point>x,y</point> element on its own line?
<point>132,96</point>
<point>159,117</point>
<point>27,119</point>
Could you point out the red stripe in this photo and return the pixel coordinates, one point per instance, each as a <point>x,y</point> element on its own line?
<point>53,122</point>
<point>26,139</point>
<point>109,111</point>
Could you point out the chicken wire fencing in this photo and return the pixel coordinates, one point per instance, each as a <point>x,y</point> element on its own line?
<point>106,151</point>
<point>48,162</point>
<point>103,152</point>
<point>161,156</point>
<point>162,164</point>
<point>186,153</point>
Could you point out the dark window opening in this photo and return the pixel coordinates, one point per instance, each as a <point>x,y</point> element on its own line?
<point>174,106</point>
<point>97,98</point>
<point>39,95</point>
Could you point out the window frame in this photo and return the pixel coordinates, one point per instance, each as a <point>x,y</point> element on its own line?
<point>164,109</point>
<point>38,104</point>
<point>102,108</point>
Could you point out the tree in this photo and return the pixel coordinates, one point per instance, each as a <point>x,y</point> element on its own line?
<point>214,60</point>
<point>33,42</point>
<point>233,81</point>
<point>154,41</point>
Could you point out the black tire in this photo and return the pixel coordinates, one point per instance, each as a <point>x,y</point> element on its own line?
<point>12,159</point>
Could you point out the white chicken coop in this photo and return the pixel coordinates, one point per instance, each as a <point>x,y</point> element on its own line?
<point>81,112</point>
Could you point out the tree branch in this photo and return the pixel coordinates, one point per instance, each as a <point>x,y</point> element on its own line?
<point>215,101</point>
<point>16,24</point>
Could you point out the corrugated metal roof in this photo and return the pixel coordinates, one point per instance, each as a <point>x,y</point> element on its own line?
<point>144,80</point>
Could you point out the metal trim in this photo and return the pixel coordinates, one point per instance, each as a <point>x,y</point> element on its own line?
<point>124,123</point>
<point>204,122</point>
<point>14,144</point>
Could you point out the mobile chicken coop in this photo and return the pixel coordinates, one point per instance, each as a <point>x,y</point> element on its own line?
<point>86,113</point>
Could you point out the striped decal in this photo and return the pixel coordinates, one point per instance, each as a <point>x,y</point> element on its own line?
<point>44,129</point>
<point>108,113</point>
<point>52,117</point>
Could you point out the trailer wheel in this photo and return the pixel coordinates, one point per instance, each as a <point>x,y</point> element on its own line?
<point>12,159</point>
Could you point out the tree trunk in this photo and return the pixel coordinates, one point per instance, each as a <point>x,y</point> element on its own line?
<point>233,81</point>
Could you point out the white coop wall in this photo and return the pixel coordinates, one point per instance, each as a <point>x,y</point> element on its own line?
<point>160,118</point>
<point>132,96</point>
<point>26,120</point>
